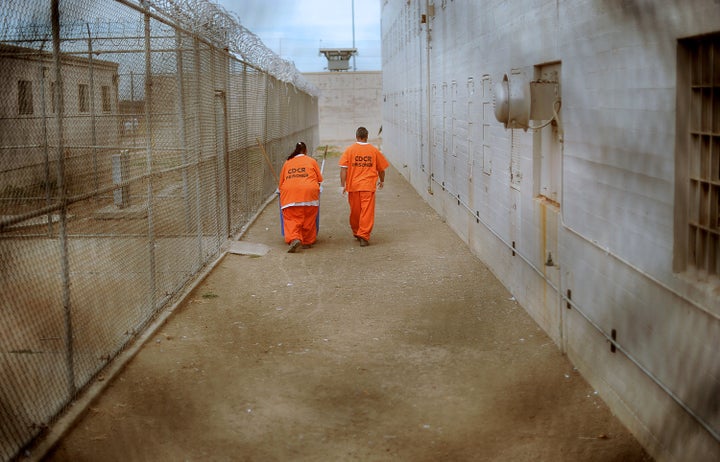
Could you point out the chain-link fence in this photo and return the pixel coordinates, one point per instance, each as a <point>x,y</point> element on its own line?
<point>129,151</point>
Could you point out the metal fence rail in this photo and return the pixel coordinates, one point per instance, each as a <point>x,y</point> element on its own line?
<point>128,154</point>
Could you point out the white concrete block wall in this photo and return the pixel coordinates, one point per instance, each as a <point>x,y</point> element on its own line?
<point>347,101</point>
<point>611,236</point>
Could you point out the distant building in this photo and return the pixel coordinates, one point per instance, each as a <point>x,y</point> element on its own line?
<point>338,58</point>
<point>29,105</point>
<point>348,100</point>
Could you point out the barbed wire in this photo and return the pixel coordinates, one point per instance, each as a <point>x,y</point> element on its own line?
<point>207,20</point>
<point>224,29</point>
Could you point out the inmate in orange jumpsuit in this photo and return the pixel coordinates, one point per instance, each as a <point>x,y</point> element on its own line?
<point>364,164</point>
<point>300,198</point>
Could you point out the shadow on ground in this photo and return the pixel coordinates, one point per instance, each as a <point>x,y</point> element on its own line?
<point>406,350</point>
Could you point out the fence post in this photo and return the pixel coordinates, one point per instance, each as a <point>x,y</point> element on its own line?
<point>196,145</point>
<point>121,195</point>
<point>148,155</point>
<point>181,126</point>
<point>65,263</point>
<point>46,144</point>
<point>93,120</point>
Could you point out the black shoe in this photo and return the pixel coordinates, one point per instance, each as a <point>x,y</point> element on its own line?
<point>294,245</point>
<point>363,242</point>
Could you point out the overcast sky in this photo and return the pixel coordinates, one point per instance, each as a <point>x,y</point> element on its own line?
<point>297,29</point>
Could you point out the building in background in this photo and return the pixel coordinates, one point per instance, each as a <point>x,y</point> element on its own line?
<point>347,101</point>
<point>28,128</point>
<point>575,147</point>
<point>338,58</point>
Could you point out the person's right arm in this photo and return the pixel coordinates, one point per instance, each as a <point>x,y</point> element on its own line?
<point>343,171</point>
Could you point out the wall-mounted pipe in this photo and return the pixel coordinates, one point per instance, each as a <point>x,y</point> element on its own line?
<point>428,40</point>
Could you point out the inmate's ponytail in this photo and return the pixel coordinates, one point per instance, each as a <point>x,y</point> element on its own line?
<point>300,148</point>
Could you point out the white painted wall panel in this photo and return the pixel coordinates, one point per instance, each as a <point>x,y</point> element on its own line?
<point>347,101</point>
<point>611,235</point>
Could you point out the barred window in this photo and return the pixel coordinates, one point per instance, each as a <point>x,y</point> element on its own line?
<point>697,243</point>
<point>53,97</point>
<point>84,97</point>
<point>106,98</point>
<point>25,97</point>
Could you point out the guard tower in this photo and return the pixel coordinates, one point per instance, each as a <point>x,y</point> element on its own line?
<point>338,58</point>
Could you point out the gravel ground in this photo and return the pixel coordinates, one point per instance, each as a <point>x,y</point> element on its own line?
<point>406,350</point>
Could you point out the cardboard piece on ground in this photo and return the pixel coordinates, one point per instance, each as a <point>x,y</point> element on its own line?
<point>248,248</point>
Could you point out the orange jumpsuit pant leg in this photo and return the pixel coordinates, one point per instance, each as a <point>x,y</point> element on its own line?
<point>309,224</point>
<point>293,219</point>
<point>367,214</point>
<point>354,201</point>
<point>362,213</point>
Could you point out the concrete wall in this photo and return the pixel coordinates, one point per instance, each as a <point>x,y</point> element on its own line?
<point>576,218</point>
<point>348,100</point>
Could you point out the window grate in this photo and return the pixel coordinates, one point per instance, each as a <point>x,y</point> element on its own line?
<point>704,154</point>
<point>106,105</point>
<point>53,97</point>
<point>25,97</point>
<point>84,97</point>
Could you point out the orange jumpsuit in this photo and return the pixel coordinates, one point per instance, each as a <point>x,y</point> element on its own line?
<point>363,162</point>
<point>300,180</point>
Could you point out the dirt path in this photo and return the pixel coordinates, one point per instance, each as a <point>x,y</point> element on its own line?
<point>406,350</point>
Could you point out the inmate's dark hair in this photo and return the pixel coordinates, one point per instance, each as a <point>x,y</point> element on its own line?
<point>361,133</point>
<point>300,148</point>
